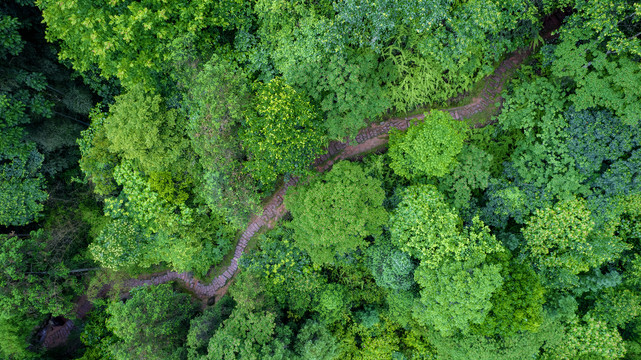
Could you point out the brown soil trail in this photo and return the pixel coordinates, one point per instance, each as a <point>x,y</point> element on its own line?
<point>367,139</point>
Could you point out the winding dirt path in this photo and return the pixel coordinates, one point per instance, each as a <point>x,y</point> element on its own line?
<point>367,139</point>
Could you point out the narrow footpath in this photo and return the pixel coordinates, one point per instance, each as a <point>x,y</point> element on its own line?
<point>369,138</point>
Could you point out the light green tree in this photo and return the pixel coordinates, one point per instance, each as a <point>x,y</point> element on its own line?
<point>14,336</point>
<point>456,295</point>
<point>148,229</point>
<point>424,226</point>
<point>96,161</point>
<point>587,337</point>
<point>457,292</point>
<point>131,40</point>
<point>518,305</point>
<point>427,149</point>
<point>140,128</point>
<point>283,133</point>
<point>522,345</point>
<point>336,212</point>
<point>601,77</point>
<point>563,237</point>
<point>456,276</point>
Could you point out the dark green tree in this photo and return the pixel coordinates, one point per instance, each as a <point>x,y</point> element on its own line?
<point>32,281</point>
<point>22,100</point>
<point>470,175</point>
<point>348,85</point>
<point>391,267</point>
<point>152,324</point>
<point>203,327</point>
<point>428,149</point>
<point>14,336</point>
<point>315,342</point>
<point>21,184</point>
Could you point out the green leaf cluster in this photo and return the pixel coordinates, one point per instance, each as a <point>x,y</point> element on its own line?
<point>427,149</point>
<point>152,324</point>
<point>282,133</point>
<point>336,212</point>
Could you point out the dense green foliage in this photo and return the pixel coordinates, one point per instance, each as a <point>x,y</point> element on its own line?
<point>26,278</point>
<point>129,39</point>
<point>148,133</point>
<point>282,133</point>
<point>217,99</point>
<point>334,215</point>
<point>427,149</point>
<point>151,325</point>
<point>44,218</point>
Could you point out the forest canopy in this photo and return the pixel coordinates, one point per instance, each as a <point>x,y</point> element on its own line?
<point>445,179</point>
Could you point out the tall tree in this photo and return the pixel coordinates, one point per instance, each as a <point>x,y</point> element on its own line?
<point>348,85</point>
<point>203,327</point>
<point>282,134</point>
<point>31,283</point>
<point>315,342</point>
<point>424,226</point>
<point>22,100</point>
<point>152,324</point>
<point>599,52</point>
<point>428,149</point>
<point>218,96</point>
<point>249,335</point>
<point>148,229</point>
<point>336,212</point>
<point>141,128</point>
<point>280,262</point>
<point>563,237</point>
<point>457,293</point>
